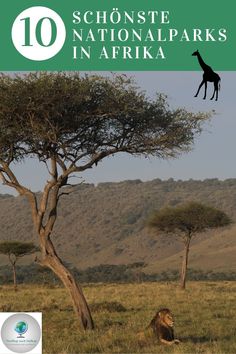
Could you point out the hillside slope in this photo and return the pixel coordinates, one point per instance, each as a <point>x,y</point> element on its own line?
<point>106,224</point>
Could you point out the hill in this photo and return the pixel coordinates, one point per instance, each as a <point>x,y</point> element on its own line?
<point>105,224</point>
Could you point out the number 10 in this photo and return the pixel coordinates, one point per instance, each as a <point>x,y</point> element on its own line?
<point>38,32</point>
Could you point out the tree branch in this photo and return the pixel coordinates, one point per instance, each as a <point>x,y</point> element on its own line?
<point>53,210</point>
<point>14,183</point>
<point>48,187</point>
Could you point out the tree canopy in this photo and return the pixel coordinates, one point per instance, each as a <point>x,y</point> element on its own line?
<point>188,218</point>
<point>83,119</point>
<point>18,249</point>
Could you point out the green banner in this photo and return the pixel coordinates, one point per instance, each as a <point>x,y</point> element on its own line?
<point>117,35</point>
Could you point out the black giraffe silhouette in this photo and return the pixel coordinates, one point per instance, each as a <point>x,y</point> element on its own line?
<point>208,75</point>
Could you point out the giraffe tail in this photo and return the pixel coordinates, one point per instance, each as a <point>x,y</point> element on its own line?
<point>219,84</point>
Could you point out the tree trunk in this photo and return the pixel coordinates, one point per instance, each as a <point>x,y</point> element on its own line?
<point>52,260</point>
<point>185,265</point>
<point>14,276</point>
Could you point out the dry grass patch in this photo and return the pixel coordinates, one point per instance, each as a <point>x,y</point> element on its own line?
<point>204,317</point>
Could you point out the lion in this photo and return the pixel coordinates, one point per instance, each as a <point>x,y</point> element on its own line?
<point>162,326</point>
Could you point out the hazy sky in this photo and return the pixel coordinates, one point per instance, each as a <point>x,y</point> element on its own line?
<point>213,154</point>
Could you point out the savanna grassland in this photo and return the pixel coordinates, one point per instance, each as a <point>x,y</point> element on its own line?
<point>205,319</point>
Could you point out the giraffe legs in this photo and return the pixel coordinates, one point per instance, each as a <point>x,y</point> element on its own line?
<point>215,91</point>
<point>199,88</point>
<point>217,87</point>
<point>214,94</point>
<point>205,82</point>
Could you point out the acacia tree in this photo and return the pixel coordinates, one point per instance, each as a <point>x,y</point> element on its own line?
<point>186,221</point>
<point>70,123</point>
<point>15,250</point>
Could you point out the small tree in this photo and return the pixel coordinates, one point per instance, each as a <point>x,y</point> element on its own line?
<point>70,123</point>
<point>15,250</point>
<point>186,221</point>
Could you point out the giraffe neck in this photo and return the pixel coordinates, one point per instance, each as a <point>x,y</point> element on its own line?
<point>203,65</point>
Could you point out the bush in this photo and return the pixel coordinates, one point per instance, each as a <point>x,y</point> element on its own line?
<point>107,273</point>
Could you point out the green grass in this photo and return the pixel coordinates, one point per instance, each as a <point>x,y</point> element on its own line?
<point>204,317</point>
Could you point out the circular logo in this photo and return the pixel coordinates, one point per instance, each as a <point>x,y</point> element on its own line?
<point>13,329</point>
<point>38,33</point>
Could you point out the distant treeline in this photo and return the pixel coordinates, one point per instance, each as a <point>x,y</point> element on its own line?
<point>35,274</point>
